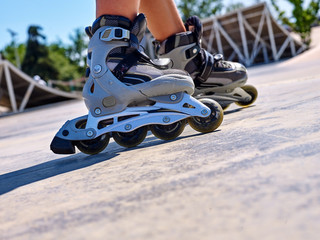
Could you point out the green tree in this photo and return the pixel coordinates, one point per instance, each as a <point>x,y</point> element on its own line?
<point>201,8</point>
<point>67,69</point>
<point>36,60</point>
<point>301,19</point>
<point>9,52</point>
<point>76,52</point>
<point>56,61</point>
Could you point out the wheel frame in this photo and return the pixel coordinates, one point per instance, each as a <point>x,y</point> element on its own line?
<point>210,123</point>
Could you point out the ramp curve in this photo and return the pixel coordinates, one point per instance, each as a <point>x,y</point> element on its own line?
<point>19,91</point>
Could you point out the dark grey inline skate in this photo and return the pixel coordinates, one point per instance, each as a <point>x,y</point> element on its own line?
<point>214,78</point>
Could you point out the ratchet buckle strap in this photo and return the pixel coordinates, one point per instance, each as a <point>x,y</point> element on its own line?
<point>119,34</point>
<point>115,33</point>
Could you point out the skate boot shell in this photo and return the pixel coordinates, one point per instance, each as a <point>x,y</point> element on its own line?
<point>214,78</point>
<point>128,94</point>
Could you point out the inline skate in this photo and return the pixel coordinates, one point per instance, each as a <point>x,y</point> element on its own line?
<point>128,94</point>
<point>214,78</point>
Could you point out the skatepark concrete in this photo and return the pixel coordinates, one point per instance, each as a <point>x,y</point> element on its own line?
<point>256,177</point>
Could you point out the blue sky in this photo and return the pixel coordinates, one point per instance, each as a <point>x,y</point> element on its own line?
<point>58,18</point>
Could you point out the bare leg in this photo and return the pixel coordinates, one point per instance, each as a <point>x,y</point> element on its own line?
<point>125,8</point>
<point>163,18</point>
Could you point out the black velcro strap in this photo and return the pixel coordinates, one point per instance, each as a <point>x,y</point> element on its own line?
<point>134,41</point>
<point>125,64</point>
<point>209,61</point>
<point>170,43</point>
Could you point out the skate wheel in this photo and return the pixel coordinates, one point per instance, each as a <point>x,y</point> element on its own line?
<point>168,132</point>
<point>252,91</point>
<point>210,123</point>
<point>130,139</point>
<point>93,146</point>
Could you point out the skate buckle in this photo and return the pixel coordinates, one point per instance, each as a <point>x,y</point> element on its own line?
<point>115,33</point>
<point>218,57</point>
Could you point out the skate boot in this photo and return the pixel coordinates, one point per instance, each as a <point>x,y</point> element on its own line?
<point>128,94</point>
<point>214,78</point>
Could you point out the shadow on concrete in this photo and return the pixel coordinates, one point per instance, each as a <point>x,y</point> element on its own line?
<point>226,112</point>
<point>154,141</point>
<point>13,180</point>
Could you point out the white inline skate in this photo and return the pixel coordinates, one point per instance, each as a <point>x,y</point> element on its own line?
<point>127,94</point>
<point>214,78</point>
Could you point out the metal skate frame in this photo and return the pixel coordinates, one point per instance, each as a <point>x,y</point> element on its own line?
<point>160,113</point>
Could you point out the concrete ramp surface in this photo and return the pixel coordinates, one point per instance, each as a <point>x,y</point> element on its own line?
<point>256,177</point>
<point>19,91</point>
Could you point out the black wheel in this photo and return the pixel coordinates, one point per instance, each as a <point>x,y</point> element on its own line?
<point>130,139</point>
<point>252,91</point>
<point>168,132</point>
<point>210,123</point>
<point>93,146</point>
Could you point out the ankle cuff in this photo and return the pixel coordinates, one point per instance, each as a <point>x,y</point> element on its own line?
<point>112,21</point>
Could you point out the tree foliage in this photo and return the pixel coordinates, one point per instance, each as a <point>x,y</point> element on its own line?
<point>201,8</point>
<point>36,60</point>
<point>301,19</point>
<point>67,69</point>
<point>9,52</point>
<point>76,52</point>
<point>56,61</point>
